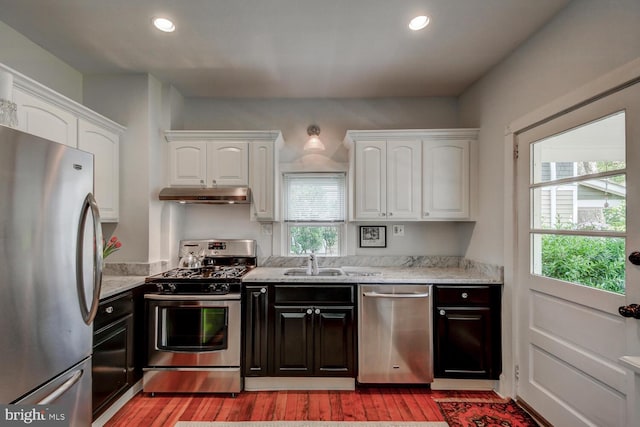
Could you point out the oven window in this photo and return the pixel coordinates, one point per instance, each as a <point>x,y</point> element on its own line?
<point>192,328</point>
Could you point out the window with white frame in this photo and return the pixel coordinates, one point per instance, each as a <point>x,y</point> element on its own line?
<point>314,213</point>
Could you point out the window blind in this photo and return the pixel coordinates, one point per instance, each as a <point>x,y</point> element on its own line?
<point>314,197</point>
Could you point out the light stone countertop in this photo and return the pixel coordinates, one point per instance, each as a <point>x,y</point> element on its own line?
<point>112,285</point>
<point>449,275</point>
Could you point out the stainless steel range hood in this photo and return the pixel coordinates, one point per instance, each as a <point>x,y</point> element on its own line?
<point>212,195</point>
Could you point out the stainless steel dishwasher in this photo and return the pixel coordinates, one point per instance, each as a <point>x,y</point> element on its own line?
<point>395,334</point>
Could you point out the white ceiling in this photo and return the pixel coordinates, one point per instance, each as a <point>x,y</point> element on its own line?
<point>286,48</point>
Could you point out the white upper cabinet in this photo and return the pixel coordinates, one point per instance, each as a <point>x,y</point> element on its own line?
<point>105,147</point>
<point>205,158</point>
<point>188,163</point>
<point>47,114</point>
<point>239,158</point>
<point>263,178</point>
<point>39,117</point>
<point>411,175</point>
<point>445,185</point>
<point>403,179</point>
<point>227,163</point>
<point>387,180</point>
<point>370,179</point>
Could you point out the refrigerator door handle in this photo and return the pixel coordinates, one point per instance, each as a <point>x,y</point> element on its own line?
<point>55,395</point>
<point>89,313</point>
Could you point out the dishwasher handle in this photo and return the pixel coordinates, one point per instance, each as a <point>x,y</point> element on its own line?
<point>400,295</point>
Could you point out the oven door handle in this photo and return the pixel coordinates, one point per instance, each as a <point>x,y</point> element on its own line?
<point>190,297</point>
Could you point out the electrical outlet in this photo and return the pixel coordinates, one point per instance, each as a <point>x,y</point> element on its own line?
<point>267,229</point>
<point>398,230</point>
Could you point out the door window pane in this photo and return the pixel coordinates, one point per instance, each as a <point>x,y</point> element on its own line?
<point>578,187</point>
<point>595,147</point>
<point>597,262</point>
<point>594,204</point>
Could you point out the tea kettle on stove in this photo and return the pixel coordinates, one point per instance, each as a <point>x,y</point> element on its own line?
<point>191,261</point>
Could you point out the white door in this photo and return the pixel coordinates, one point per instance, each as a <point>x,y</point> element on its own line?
<point>227,163</point>
<point>187,163</point>
<point>445,180</point>
<point>41,118</point>
<point>105,147</point>
<point>371,180</point>
<point>262,179</point>
<point>578,216</point>
<point>404,173</point>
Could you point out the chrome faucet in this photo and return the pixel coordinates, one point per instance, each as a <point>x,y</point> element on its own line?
<point>312,265</point>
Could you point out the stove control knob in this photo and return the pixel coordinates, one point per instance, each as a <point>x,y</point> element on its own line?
<point>224,288</point>
<point>172,287</point>
<point>211,288</point>
<point>159,287</point>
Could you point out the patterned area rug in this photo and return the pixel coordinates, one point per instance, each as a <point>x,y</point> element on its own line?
<point>310,424</point>
<point>484,413</point>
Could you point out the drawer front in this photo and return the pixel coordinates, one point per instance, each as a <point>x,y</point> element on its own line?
<point>317,295</point>
<point>113,309</point>
<point>463,295</point>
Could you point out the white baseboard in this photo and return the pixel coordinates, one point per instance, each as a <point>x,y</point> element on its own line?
<point>117,405</point>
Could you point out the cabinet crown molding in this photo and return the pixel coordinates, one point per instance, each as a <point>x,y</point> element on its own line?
<point>227,135</point>
<point>41,91</point>
<point>423,134</point>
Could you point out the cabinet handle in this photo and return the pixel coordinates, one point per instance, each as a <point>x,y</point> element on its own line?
<point>390,213</point>
<point>202,182</point>
<point>465,295</point>
<point>442,312</point>
<point>426,214</point>
<point>263,290</point>
<point>309,311</point>
<point>213,181</point>
<point>317,311</point>
<point>381,214</point>
<point>109,310</point>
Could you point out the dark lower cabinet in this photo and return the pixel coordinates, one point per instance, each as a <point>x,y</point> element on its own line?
<point>314,341</point>
<point>334,341</point>
<point>256,338</point>
<point>299,330</point>
<point>113,354</point>
<point>467,338</point>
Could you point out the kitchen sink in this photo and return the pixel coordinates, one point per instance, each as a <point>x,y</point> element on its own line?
<point>321,272</point>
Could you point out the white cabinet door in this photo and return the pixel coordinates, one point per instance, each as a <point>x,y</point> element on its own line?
<point>445,185</point>
<point>404,174</point>
<point>187,163</point>
<point>105,147</point>
<point>370,180</point>
<point>44,119</point>
<point>227,163</point>
<point>262,180</point>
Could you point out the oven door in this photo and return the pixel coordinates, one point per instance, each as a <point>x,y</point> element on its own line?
<point>193,330</point>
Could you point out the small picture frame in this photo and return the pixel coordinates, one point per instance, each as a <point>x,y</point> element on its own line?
<point>373,236</point>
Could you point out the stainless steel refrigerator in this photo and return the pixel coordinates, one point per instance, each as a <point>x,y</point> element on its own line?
<point>50,275</point>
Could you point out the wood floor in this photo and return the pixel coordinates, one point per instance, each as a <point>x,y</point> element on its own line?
<point>364,404</point>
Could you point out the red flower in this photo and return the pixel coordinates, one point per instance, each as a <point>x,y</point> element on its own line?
<point>110,247</point>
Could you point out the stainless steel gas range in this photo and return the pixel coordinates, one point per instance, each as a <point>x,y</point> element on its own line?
<point>193,319</point>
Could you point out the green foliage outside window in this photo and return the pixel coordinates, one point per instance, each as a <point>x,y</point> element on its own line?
<point>598,262</point>
<point>320,240</point>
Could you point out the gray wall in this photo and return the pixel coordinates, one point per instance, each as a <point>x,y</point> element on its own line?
<point>584,41</point>
<point>26,57</point>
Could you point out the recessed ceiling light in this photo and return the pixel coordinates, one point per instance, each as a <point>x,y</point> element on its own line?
<point>164,24</point>
<point>419,22</point>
